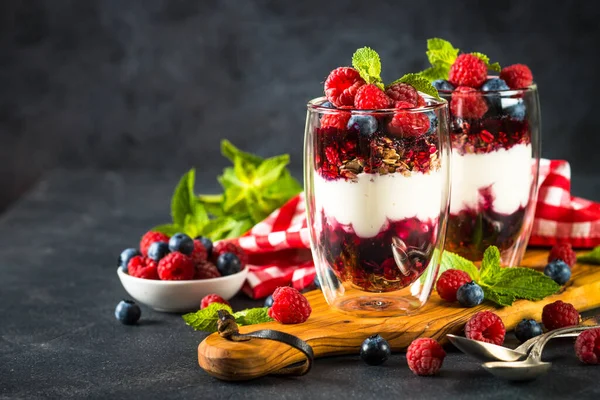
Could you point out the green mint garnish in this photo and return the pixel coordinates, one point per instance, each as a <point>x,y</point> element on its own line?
<point>419,83</point>
<point>252,316</point>
<point>494,66</point>
<point>206,319</point>
<point>368,64</point>
<point>593,257</point>
<point>454,261</point>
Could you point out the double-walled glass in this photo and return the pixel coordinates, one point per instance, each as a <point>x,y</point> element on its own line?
<point>377,192</point>
<point>495,139</point>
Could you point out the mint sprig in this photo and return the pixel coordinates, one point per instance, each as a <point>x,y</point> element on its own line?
<point>419,83</point>
<point>206,319</point>
<point>593,257</point>
<point>368,64</point>
<point>493,66</point>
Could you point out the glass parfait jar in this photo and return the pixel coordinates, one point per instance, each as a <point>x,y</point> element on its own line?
<point>495,138</point>
<point>377,191</point>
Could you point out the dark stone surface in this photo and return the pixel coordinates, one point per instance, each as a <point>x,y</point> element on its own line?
<point>154,84</point>
<point>59,339</point>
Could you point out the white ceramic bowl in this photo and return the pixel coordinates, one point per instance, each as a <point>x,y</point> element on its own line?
<point>180,296</point>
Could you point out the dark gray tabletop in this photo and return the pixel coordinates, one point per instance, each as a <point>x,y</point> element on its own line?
<point>59,338</point>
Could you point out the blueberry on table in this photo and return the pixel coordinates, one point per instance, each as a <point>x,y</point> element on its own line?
<point>128,312</point>
<point>470,294</point>
<point>558,271</point>
<point>375,350</point>
<point>228,264</point>
<point>127,255</point>
<point>365,124</point>
<point>158,250</point>
<point>269,301</point>
<point>442,84</point>
<point>182,243</point>
<point>494,84</point>
<point>526,329</point>
<point>207,243</point>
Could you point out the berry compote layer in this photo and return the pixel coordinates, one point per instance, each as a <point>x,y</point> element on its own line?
<point>378,198</point>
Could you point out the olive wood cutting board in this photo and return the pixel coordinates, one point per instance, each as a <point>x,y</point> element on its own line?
<point>330,332</point>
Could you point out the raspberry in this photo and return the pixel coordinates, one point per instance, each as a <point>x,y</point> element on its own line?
<point>206,270</point>
<point>563,251</point>
<point>142,267</point>
<point>517,76</point>
<point>405,123</point>
<point>176,267</point>
<point>338,120</point>
<point>151,237</point>
<point>421,101</point>
<point>486,326</point>
<point>449,282</point>
<point>468,70</point>
<point>341,86</point>
<point>587,346</point>
<point>199,254</point>
<point>370,97</point>
<point>425,356</point>
<point>289,306</point>
<point>559,315</point>
<point>403,92</point>
<point>212,298</point>
<point>467,102</point>
<point>229,247</point>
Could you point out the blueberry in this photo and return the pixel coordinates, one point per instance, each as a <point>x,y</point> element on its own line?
<point>228,264</point>
<point>269,301</point>
<point>442,84</point>
<point>328,104</point>
<point>375,350</point>
<point>331,278</point>
<point>494,84</point>
<point>207,243</point>
<point>317,282</point>
<point>127,255</point>
<point>128,312</point>
<point>470,294</point>
<point>433,121</point>
<point>182,243</point>
<point>366,124</point>
<point>526,329</point>
<point>558,271</point>
<point>516,111</point>
<point>158,250</point>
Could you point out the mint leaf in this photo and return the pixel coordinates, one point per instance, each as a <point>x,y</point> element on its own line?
<point>213,204</point>
<point>231,152</point>
<point>502,299</point>
<point>524,283</point>
<point>434,73</point>
<point>490,265</point>
<point>368,64</point>
<point>252,316</point>
<point>494,66</point>
<point>593,257</point>
<point>441,55</point>
<point>206,319</point>
<point>270,170</point>
<point>183,198</point>
<point>167,229</point>
<point>419,83</point>
<point>454,261</point>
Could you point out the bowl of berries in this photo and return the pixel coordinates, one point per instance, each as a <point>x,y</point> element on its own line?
<point>173,274</point>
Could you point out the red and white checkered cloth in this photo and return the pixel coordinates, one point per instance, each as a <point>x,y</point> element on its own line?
<point>279,247</point>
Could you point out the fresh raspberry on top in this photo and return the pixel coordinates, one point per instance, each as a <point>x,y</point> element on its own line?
<point>151,237</point>
<point>406,123</point>
<point>142,267</point>
<point>449,282</point>
<point>229,247</point>
<point>341,86</point>
<point>199,254</point>
<point>587,346</point>
<point>337,120</point>
<point>559,315</point>
<point>467,102</point>
<point>206,270</point>
<point>425,356</point>
<point>403,92</point>
<point>176,267</point>
<point>517,76</point>
<point>289,306</point>
<point>468,70</point>
<point>370,97</point>
<point>486,326</point>
<point>212,298</point>
<point>563,251</point>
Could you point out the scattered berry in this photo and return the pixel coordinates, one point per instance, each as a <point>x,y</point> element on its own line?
<point>563,251</point>
<point>127,255</point>
<point>207,243</point>
<point>468,70</point>
<point>365,124</point>
<point>403,92</point>
<point>211,298</point>
<point>149,238</point>
<point>206,270</point>
<point>587,346</point>
<point>339,120</point>
<point>516,111</point>
<point>425,356</point>
<point>199,255</point>
<point>494,84</point>
<point>176,267</point>
<point>558,271</point>
<point>341,86</point>
<point>443,85</point>
<point>449,283</point>
<point>517,76</point>
<point>467,102</point>
<point>269,301</point>
<point>289,306</point>
<point>486,326</point>
<point>375,350</point>
<point>370,97</point>
<point>128,312</point>
<point>526,329</point>
<point>559,315</point>
<point>470,294</point>
<point>158,250</point>
<point>228,264</point>
<point>182,243</point>
<point>142,267</point>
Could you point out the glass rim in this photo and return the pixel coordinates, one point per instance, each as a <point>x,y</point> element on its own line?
<point>436,104</point>
<point>502,93</point>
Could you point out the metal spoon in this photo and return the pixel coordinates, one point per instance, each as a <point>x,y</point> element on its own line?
<point>533,366</point>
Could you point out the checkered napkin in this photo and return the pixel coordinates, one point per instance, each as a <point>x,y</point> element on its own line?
<point>279,246</point>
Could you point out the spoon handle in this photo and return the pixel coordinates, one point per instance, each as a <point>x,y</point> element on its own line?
<point>538,347</point>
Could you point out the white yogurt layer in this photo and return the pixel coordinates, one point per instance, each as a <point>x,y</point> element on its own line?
<point>368,203</point>
<point>507,172</point>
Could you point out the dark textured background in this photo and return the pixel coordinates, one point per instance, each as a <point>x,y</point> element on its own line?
<point>156,84</point>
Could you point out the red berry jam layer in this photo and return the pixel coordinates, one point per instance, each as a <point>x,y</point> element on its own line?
<point>487,135</point>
